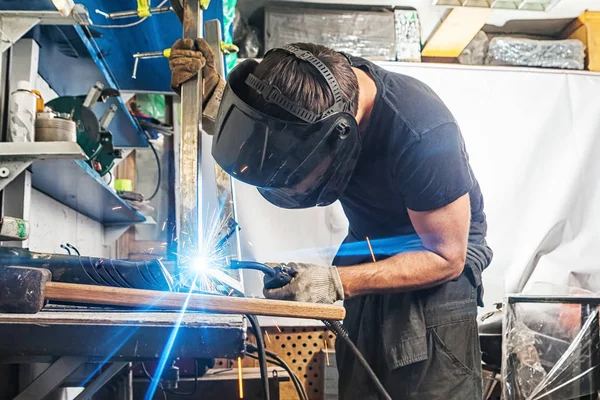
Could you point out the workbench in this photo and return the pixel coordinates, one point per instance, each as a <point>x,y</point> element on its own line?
<point>71,337</point>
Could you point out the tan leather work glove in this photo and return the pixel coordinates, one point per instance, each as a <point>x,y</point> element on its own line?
<point>186,59</point>
<point>312,284</point>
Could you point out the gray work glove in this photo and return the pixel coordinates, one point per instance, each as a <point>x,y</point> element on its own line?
<point>186,59</point>
<point>311,284</point>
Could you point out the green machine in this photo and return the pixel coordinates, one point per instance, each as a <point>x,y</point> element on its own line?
<point>93,135</point>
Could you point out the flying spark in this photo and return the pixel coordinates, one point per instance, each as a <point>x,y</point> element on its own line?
<point>117,208</point>
<point>276,326</point>
<point>240,379</point>
<point>326,352</point>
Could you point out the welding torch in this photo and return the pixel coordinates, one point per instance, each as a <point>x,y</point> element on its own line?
<point>280,276</point>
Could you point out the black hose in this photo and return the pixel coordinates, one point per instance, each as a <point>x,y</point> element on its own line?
<point>340,332</point>
<point>236,264</point>
<point>250,348</point>
<point>262,357</point>
<point>158,180</point>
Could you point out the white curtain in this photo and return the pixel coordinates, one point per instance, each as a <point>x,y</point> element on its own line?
<point>533,137</point>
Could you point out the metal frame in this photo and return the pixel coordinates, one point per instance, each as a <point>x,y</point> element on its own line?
<point>589,309</point>
<point>15,24</point>
<point>17,157</point>
<point>51,378</point>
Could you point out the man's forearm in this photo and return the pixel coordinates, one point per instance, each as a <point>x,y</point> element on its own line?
<point>401,273</point>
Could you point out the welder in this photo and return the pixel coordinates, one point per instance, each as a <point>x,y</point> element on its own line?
<point>308,126</point>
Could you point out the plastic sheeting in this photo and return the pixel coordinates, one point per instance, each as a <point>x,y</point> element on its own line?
<point>532,137</point>
<point>550,351</point>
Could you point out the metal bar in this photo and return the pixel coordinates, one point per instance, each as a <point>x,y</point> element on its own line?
<point>101,380</point>
<point>51,378</point>
<point>224,190</point>
<point>595,301</point>
<point>188,196</point>
<point>134,13</point>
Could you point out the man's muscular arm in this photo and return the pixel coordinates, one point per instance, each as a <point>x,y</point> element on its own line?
<point>444,233</point>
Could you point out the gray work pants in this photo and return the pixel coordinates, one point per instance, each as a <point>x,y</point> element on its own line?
<point>422,345</point>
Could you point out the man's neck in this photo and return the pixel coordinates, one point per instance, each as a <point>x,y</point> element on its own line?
<point>367,91</point>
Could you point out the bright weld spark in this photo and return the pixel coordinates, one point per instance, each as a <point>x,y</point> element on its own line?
<point>117,208</point>
<point>371,249</point>
<point>326,352</point>
<point>268,337</point>
<point>167,351</point>
<point>240,379</point>
<point>276,326</point>
<point>164,225</point>
<point>244,168</point>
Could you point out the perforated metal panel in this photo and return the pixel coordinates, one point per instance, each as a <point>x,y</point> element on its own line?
<point>301,348</point>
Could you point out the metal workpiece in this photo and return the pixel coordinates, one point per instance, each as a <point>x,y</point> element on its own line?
<point>133,13</point>
<point>188,195</point>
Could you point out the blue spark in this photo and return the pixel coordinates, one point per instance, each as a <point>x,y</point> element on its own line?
<point>118,334</point>
<point>167,351</point>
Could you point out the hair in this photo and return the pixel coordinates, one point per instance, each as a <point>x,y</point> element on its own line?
<point>302,83</point>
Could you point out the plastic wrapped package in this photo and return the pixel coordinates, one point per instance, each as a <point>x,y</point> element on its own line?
<point>565,54</point>
<point>476,50</point>
<point>550,351</point>
<point>359,33</point>
<point>408,35</point>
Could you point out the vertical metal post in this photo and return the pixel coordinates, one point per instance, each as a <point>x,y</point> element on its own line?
<point>188,195</point>
<point>590,354</point>
<point>221,180</point>
<point>17,195</point>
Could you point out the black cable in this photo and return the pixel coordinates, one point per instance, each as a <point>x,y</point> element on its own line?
<point>284,365</point>
<point>250,348</point>
<point>262,357</point>
<point>111,177</point>
<point>159,169</point>
<point>340,332</point>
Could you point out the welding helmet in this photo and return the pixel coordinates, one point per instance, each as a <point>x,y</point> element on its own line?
<point>297,162</point>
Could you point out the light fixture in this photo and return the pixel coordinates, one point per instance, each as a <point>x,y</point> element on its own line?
<point>64,7</point>
<point>517,5</point>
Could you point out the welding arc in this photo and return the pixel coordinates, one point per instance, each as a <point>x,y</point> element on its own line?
<point>340,332</point>
<point>276,360</point>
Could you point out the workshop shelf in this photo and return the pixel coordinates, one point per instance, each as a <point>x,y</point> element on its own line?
<point>75,184</point>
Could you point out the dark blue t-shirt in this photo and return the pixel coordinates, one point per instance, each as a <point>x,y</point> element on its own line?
<point>413,156</point>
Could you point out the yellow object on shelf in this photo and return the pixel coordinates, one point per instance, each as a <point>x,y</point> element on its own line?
<point>124,185</point>
<point>587,29</point>
<point>39,102</point>
<point>143,9</point>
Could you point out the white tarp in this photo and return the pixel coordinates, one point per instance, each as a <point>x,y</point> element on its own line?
<point>534,141</point>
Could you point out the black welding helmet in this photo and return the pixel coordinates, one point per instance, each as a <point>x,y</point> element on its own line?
<point>297,163</point>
